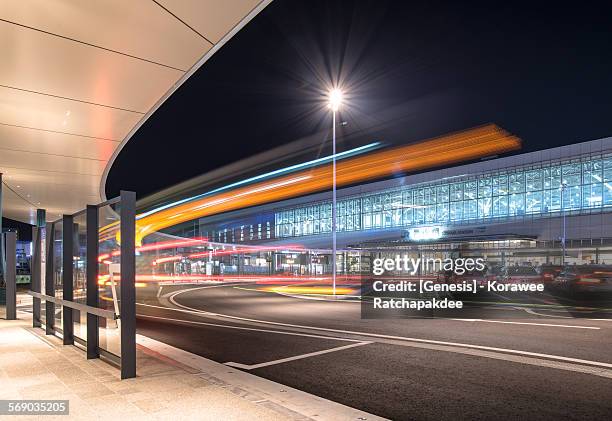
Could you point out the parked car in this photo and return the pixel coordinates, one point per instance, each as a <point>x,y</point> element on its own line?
<point>520,274</point>
<point>585,278</point>
<point>490,273</point>
<point>479,275</point>
<point>548,273</point>
<point>495,273</point>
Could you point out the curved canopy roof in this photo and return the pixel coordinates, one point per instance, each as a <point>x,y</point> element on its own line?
<point>78,78</point>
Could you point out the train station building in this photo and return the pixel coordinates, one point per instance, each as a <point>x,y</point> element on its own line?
<point>513,210</point>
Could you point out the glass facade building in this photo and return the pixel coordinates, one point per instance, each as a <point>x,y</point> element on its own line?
<point>576,186</point>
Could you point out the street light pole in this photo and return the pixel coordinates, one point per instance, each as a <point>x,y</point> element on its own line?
<point>334,201</point>
<point>335,99</point>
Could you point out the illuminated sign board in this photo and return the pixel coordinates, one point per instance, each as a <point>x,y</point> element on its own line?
<point>425,233</point>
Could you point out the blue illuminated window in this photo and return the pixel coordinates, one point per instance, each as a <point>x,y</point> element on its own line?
<point>511,193</point>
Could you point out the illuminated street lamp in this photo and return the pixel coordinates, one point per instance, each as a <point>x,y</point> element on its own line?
<point>335,100</point>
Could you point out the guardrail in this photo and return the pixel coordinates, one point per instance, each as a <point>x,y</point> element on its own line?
<point>127,315</point>
<point>100,312</point>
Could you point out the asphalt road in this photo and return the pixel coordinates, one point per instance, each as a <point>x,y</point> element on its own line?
<point>542,367</point>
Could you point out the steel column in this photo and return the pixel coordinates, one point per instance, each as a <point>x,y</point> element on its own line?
<point>128,289</point>
<point>41,223</point>
<point>1,242</point>
<point>93,334</point>
<point>67,277</point>
<point>50,281</point>
<point>10,277</point>
<point>35,273</point>
<point>76,314</point>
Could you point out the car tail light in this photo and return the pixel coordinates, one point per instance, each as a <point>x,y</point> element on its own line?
<point>587,279</point>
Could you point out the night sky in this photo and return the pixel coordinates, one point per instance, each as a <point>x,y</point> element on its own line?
<point>541,71</point>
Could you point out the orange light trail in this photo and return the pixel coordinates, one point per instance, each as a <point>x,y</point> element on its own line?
<point>461,146</point>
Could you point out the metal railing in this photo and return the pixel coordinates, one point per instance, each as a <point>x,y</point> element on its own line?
<point>127,315</point>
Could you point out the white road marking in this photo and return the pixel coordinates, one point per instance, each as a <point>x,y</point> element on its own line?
<point>475,351</point>
<point>382,336</point>
<point>559,365</point>
<point>535,313</point>
<point>279,332</point>
<point>527,323</point>
<point>297,357</point>
<point>310,406</point>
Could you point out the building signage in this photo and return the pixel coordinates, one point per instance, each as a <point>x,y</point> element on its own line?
<point>425,233</point>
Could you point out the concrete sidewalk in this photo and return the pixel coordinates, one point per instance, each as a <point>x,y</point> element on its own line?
<point>33,366</point>
<point>36,366</point>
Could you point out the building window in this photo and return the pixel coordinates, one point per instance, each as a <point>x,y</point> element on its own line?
<point>499,195</point>
<point>500,206</point>
<point>516,204</point>
<point>485,207</point>
<point>533,180</point>
<point>533,202</point>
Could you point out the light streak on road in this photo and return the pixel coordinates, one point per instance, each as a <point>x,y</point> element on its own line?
<point>190,242</point>
<point>310,290</point>
<point>465,145</point>
<point>267,175</point>
<point>245,250</point>
<point>253,279</point>
<point>166,259</point>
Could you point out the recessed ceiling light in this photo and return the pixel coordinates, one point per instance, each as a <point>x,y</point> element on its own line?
<point>18,187</point>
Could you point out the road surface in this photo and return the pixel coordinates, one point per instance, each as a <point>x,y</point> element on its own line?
<point>547,366</point>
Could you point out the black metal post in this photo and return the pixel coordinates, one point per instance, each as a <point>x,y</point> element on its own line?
<point>76,314</point>
<point>93,333</point>
<point>10,277</point>
<point>50,281</point>
<point>67,277</point>
<point>128,289</point>
<point>1,242</point>
<point>35,273</point>
<point>39,254</point>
